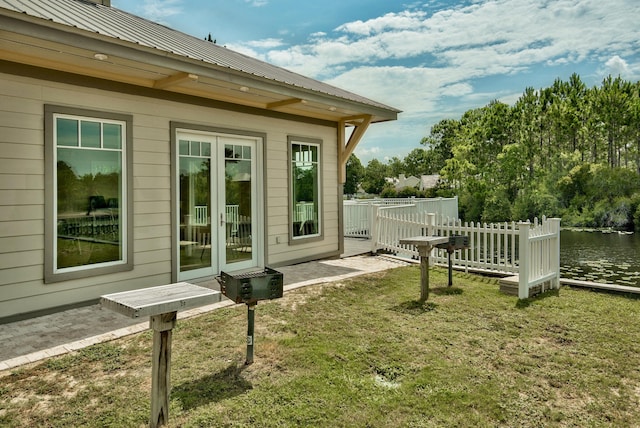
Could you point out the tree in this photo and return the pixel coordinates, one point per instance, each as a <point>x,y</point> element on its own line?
<point>613,111</point>
<point>374,177</point>
<point>565,150</point>
<point>355,175</point>
<point>440,142</point>
<point>396,167</point>
<point>416,162</point>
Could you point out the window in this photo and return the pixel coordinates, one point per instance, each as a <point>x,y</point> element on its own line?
<point>88,176</point>
<point>305,190</point>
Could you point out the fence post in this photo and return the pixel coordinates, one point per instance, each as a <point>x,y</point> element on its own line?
<point>555,251</point>
<point>523,259</point>
<point>431,223</point>
<point>374,226</point>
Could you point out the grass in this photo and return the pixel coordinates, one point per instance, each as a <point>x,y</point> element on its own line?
<point>363,353</point>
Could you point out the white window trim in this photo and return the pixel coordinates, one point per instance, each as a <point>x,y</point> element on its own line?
<point>187,129</point>
<point>293,240</point>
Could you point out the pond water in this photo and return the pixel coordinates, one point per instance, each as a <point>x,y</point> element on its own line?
<point>611,258</point>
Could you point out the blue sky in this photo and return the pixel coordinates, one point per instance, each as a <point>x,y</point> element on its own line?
<point>431,59</point>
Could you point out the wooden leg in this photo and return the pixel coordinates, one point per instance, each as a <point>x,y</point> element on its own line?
<point>424,274</point>
<point>161,367</point>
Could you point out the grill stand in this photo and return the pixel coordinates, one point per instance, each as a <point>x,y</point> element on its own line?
<point>251,316</point>
<point>449,252</point>
<point>456,242</point>
<point>249,288</point>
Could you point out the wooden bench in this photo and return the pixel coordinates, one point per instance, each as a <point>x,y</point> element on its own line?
<point>161,304</point>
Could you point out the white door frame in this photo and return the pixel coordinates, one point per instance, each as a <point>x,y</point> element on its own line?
<point>218,205</point>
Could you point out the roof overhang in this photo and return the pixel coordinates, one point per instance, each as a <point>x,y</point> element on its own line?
<point>37,42</point>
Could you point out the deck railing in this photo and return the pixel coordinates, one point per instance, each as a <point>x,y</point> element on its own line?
<point>531,250</point>
<point>359,215</point>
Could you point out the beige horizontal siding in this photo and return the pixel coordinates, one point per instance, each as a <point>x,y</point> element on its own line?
<point>21,212</point>
<point>21,228</point>
<point>10,181</point>
<point>14,166</point>
<point>22,103</point>
<point>21,243</point>
<point>15,259</point>
<point>152,207</point>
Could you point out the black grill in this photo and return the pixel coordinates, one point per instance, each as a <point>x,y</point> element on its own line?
<point>249,287</point>
<point>456,242</point>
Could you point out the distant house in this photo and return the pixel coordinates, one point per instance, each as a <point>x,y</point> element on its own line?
<point>425,182</point>
<point>429,181</point>
<point>133,155</point>
<point>403,182</point>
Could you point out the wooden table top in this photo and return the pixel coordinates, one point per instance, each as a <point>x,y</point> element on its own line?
<point>421,241</point>
<point>159,300</point>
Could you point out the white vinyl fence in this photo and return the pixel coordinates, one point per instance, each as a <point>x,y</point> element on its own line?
<point>359,216</point>
<point>540,258</point>
<point>531,250</point>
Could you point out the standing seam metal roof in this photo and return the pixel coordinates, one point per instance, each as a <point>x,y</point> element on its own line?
<point>115,23</point>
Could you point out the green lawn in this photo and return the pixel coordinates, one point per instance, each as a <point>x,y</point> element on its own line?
<point>363,353</point>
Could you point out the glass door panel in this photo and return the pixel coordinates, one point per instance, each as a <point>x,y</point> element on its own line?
<point>217,204</point>
<point>195,205</point>
<point>239,212</point>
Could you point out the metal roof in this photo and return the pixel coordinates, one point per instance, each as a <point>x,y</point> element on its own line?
<point>118,24</point>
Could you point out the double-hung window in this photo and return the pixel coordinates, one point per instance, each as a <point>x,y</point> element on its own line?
<point>305,189</point>
<point>88,193</point>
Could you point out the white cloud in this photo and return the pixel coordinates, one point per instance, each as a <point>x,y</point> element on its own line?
<point>457,90</point>
<point>266,43</point>
<point>617,66</point>
<point>362,151</point>
<point>257,3</point>
<point>406,20</point>
<point>160,10</point>
<point>414,59</point>
<point>486,38</point>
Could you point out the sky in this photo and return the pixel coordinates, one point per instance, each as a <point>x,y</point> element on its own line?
<point>433,60</point>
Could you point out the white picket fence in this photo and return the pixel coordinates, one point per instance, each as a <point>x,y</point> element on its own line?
<point>304,211</point>
<point>540,257</point>
<point>531,250</point>
<point>359,215</point>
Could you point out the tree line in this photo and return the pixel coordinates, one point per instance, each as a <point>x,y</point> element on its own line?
<point>566,150</point>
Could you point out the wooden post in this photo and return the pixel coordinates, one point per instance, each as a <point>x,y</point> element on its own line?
<point>424,244</point>
<point>161,367</point>
<point>424,251</point>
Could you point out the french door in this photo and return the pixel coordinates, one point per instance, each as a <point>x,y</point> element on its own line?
<point>218,204</point>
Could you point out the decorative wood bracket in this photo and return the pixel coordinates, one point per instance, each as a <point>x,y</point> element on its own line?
<point>346,148</point>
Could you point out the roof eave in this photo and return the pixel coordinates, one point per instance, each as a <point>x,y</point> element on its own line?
<point>37,28</point>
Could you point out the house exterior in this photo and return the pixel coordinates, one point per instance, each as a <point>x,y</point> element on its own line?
<point>404,181</point>
<point>429,181</point>
<point>425,182</point>
<point>133,155</point>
